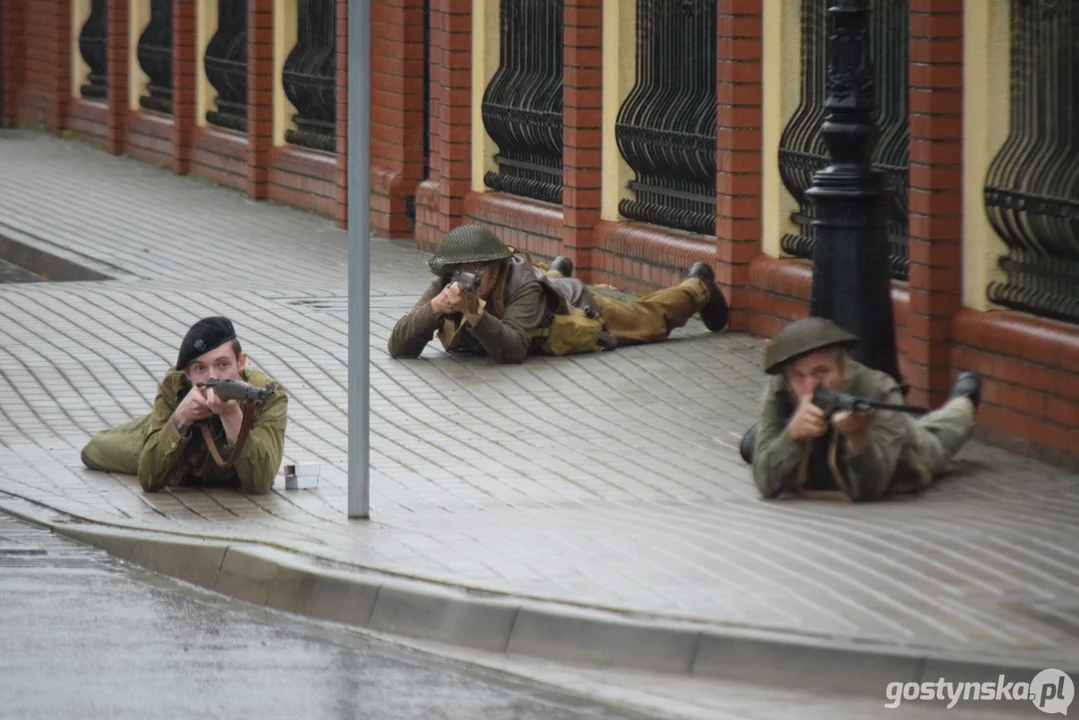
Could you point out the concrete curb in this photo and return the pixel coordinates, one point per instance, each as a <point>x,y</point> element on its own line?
<point>300,584</point>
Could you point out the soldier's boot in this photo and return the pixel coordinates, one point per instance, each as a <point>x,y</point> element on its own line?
<point>968,385</point>
<point>748,446</point>
<point>562,265</point>
<point>716,313</point>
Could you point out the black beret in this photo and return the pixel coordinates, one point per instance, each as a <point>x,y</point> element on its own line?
<point>204,336</point>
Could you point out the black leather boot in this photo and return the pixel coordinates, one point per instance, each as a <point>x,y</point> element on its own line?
<point>562,265</point>
<point>749,443</point>
<point>716,313</point>
<point>968,384</point>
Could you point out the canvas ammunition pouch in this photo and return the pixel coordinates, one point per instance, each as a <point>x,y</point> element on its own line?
<point>571,333</point>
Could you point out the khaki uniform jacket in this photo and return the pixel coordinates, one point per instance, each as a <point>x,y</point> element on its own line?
<point>890,464</point>
<point>152,447</point>
<point>532,301</point>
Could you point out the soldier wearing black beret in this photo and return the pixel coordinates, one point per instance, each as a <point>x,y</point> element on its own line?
<point>161,447</point>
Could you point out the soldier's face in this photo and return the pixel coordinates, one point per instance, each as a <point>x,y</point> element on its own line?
<point>824,367</point>
<point>219,364</point>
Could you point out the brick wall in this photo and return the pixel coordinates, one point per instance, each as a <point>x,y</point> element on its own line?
<point>397,96</point>
<point>183,85</point>
<point>936,193</point>
<point>582,137</point>
<point>38,62</point>
<point>440,198</point>
<point>117,71</point>
<point>341,171</point>
<point>738,150</point>
<point>12,59</point>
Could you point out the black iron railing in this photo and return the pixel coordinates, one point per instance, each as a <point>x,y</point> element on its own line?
<point>522,105</point>
<point>801,148</point>
<point>1032,186</point>
<point>155,57</point>
<point>93,46</point>
<point>226,66</point>
<point>666,128</point>
<point>310,76</point>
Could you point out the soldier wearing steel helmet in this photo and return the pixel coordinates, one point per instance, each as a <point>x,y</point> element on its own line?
<point>520,309</point>
<point>852,456</point>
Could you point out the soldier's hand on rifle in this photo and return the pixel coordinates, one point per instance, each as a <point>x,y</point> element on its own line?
<point>220,407</point>
<point>449,301</point>
<point>855,426</point>
<point>808,421</point>
<point>193,408</point>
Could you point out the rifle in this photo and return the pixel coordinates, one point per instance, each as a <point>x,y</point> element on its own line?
<point>832,402</point>
<point>243,392</point>
<point>469,281</point>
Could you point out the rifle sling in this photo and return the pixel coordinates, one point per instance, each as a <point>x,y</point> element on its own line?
<point>238,446</point>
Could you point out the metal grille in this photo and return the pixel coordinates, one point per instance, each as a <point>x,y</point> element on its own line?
<point>1032,187</point>
<point>155,57</point>
<point>666,128</point>
<point>522,105</point>
<point>226,66</point>
<point>309,78</point>
<point>93,46</point>
<point>802,151</point>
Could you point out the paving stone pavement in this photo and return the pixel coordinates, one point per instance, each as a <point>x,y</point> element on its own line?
<point>609,480</point>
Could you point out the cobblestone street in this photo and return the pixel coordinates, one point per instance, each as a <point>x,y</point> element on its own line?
<point>610,480</point>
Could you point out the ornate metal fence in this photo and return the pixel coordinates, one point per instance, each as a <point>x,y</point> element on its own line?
<point>155,57</point>
<point>1032,187</point>
<point>310,76</point>
<point>666,128</point>
<point>522,105</point>
<point>93,46</point>
<point>801,147</point>
<point>226,66</point>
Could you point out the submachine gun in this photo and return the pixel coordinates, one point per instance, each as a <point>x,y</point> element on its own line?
<point>245,393</point>
<point>831,402</point>
<point>469,281</point>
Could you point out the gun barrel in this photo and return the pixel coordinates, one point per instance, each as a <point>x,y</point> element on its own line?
<point>911,409</point>
<point>238,390</point>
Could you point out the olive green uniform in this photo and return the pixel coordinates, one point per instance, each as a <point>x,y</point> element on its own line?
<point>905,454</point>
<point>533,300</point>
<point>152,448</point>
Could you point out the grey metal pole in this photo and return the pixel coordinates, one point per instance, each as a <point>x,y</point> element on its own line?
<point>359,256</point>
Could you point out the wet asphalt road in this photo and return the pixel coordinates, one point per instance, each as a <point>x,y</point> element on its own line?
<point>84,636</point>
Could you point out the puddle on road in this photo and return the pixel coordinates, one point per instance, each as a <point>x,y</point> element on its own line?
<point>12,273</point>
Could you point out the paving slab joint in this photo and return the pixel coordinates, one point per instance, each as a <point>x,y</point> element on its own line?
<point>292,582</point>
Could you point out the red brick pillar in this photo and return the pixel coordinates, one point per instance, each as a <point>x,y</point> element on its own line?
<point>260,88</point>
<point>13,58</point>
<point>582,134</point>
<point>60,17</point>
<point>341,116</point>
<point>440,199</point>
<point>738,150</point>
<point>396,112</point>
<point>936,146</point>
<point>184,78</point>
<point>116,72</point>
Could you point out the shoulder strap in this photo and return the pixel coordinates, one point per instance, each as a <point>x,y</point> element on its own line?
<point>241,439</point>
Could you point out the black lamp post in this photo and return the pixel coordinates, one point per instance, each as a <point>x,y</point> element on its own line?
<point>852,277</point>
